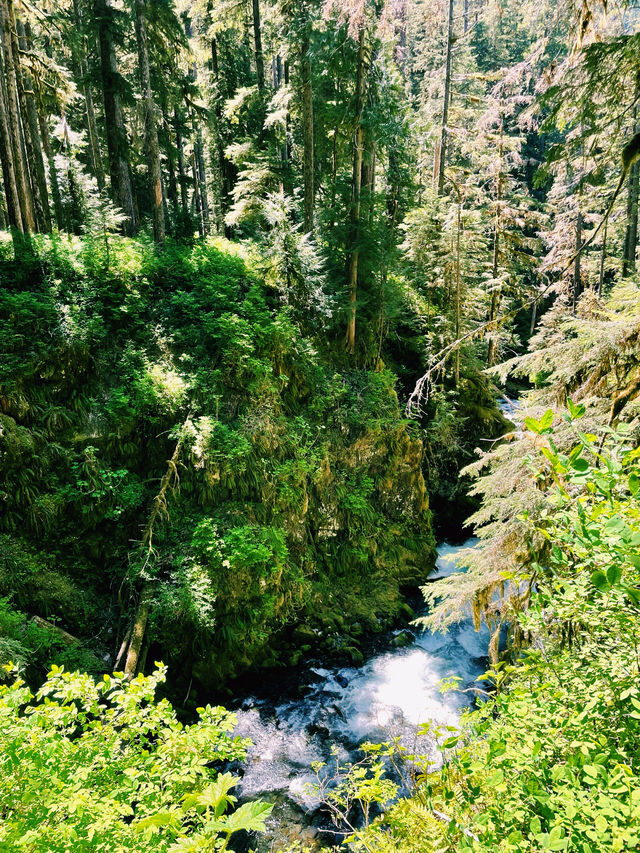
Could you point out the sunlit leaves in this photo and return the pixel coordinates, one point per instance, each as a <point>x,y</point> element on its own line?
<point>105,768</point>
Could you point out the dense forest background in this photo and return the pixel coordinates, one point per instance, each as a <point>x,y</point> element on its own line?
<point>264,266</point>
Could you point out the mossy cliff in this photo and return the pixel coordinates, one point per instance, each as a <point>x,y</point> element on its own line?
<point>294,508</point>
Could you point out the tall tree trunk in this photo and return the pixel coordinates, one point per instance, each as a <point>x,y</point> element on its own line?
<point>31,144</point>
<point>492,354</point>
<point>577,272</point>
<point>356,179</point>
<point>8,171</point>
<point>116,134</point>
<point>90,111</point>
<point>458,283</point>
<point>171,168</point>
<point>197,200</point>
<point>201,175</point>
<point>631,236</point>
<point>19,163</point>
<point>182,173</point>
<point>257,43</point>
<point>307,125</point>
<point>53,174</point>
<point>441,152</point>
<point>150,129</point>
<point>603,258</point>
<point>38,173</point>
<point>496,293</point>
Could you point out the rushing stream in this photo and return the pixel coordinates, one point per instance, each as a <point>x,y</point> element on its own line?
<point>389,695</point>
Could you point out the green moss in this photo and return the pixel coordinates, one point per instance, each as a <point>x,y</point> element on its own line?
<point>299,497</point>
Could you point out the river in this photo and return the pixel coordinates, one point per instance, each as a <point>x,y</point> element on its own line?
<point>388,696</point>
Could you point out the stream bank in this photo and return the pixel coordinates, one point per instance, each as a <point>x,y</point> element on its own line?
<point>294,724</point>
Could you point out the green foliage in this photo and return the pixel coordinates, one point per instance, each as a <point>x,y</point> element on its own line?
<point>298,495</point>
<point>551,761</point>
<point>105,766</point>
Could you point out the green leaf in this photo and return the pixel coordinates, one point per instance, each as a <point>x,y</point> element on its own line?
<point>576,410</point>
<point>599,580</point>
<point>158,819</point>
<point>533,425</point>
<point>250,816</point>
<point>495,779</point>
<point>214,795</point>
<point>546,421</point>
<point>614,574</point>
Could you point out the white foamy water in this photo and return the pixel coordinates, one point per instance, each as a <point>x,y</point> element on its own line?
<point>389,696</point>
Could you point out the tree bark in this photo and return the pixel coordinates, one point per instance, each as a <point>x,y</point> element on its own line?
<point>38,173</point>
<point>603,258</point>
<point>496,294</point>
<point>182,174</point>
<point>577,272</point>
<point>8,171</point>
<point>90,111</point>
<point>307,126</point>
<point>53,174</point>
<point>442,148</point>
<point>150,128</point>
<point>137,634</point>
<point>19,163</point>
<point>171,168</point>
<point>631,236</point>
<point>116,134</point>
<point>201,174</point>
<point>27,127</point>
<point>158,513</point>
<point>257,42</point>
<point>356,185</point>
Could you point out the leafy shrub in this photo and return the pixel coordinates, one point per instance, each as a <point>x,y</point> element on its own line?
<point>104,766</point>
<point>551,761</point>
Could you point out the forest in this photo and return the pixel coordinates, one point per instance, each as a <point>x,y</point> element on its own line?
<point>319,426</point>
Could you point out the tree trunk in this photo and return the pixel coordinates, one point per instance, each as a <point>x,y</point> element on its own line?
<point>197,200</point>
<point>116,134</point>
<point>171,168</point>
<point>53,175</point>
<point>8,170</point>
<point>356,179</point>
<point>201,174</point>
<point>458,284</point>
<point>603,258</point>
<point>30,143</point>
<point>577,272</point>
<point>631,236</point>
<point>158,513</point>
<point>442,147</point>
<point>307,126</point>
<point>150,129</point>
<point>182,174</point>
<point>257,42</point>
<point>38,173</point>
<point>137,634</point>
<point>19,164</point>
<point>90,112</point>
<point>495,295</point>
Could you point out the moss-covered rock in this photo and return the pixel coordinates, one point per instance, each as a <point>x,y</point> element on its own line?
<point>297,499</point>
